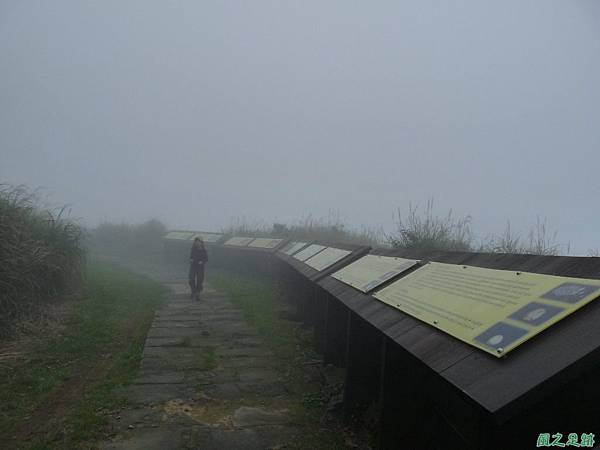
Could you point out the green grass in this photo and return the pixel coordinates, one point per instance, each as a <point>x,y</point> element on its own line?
<point>105,333</point>
<point>260,300</point>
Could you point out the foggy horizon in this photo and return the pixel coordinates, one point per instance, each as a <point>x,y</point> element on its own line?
<point>201,113</point>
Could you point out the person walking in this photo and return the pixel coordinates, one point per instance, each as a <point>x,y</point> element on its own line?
<point>198,258</point>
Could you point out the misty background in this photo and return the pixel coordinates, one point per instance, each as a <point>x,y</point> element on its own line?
<point>201,112</point>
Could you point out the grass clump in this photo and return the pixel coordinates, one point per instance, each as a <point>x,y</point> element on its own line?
<point>428,231</point>
<point>539,241</point>
<point>41,256</point>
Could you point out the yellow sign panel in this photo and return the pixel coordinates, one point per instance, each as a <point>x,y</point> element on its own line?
<point>294,247</point>
<point>239,241</point>
<point>179,235</point>
<point>308,252</point>
<point>494,310</point>
<point>207,237</point>
<point>326,258</point>
<point>265,243</point>
<point>371,271</point>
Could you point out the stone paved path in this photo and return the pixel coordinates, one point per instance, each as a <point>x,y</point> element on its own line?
<point>206,381</point>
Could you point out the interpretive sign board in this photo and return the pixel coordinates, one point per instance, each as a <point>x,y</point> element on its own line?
<point>295,246</point>
<point>494,310</point>
<point>309,252</point>
<point>371,271</point>
<point>326,258</point>
<point>239,241</point>
<point>265,243</point>
<point>179,235</point>
<point>286,247</point>
<point>207,237</point>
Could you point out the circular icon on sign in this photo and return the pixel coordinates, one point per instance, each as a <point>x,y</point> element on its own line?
<point>495,340</point>
<point>534,315</point>
<point>500,336</point>
<point>569,290</point>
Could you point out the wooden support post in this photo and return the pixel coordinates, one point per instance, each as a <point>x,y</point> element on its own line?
<point>336,332</point>
<point>362,386</point>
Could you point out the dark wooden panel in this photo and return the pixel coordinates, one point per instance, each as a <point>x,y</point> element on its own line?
<point>432,347</point>
<point>503,387</point>
<point>493,383</point>
<point>363,370</point>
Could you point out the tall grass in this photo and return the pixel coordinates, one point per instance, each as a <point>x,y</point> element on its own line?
<point>40,253</point>
<point>241,226</point>
<point>538,241</point>
<point>428,231</point>
<point>327,229</point>
<point>419,229</point>
<point>334,229</point>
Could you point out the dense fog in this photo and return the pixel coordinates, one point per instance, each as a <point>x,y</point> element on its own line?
<point>198,113</point>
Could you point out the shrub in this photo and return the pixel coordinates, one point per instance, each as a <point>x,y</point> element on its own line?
<point>539,241</point>
<point>428,231</point>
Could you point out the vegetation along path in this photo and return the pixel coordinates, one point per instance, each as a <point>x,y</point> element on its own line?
<point>210,380</point>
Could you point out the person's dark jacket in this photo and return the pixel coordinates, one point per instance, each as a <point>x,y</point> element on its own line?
<point>198,255</point>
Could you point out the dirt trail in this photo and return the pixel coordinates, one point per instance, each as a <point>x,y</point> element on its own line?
<point>206,381</point>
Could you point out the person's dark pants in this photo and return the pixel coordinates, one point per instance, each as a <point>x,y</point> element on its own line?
<point>196,278</point>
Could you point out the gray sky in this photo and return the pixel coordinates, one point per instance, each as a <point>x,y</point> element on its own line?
<point>197,112</point>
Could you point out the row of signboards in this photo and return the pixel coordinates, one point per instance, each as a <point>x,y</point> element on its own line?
<point>253,242</point>
<point>191,235</point>
<point>216,237</point>
<point>493,310</point>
